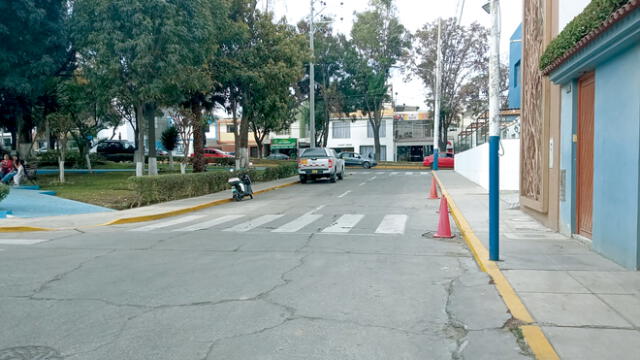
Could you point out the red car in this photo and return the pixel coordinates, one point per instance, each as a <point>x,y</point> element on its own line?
<point>214,153</point>
<point>444,162</point>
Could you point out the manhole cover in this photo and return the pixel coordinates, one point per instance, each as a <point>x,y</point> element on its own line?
<point>30,353</point>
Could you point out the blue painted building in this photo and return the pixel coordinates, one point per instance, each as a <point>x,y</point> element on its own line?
<point>600,138</point>
<point>515,69</point>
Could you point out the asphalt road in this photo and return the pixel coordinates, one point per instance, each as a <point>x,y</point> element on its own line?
<point>315,271</point>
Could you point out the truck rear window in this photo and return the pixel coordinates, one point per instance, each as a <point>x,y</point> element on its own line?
<point>314,153</point>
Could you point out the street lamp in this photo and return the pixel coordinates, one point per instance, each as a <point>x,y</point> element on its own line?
<point>493,8</point>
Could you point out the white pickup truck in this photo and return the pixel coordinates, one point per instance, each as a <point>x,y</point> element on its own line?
<point>320,163</point>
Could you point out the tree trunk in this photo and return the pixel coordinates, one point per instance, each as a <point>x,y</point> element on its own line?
<point>140,153</point>
<point>171,160</point>
<point>23,125</point>
<point>375,125</point>
<point>88,160</point>
<point>150,115</point>
<point>198,136</point>
<point>236,137</point>
<point>183,168</point>
<point>244,141</point>
<point>61,169</point>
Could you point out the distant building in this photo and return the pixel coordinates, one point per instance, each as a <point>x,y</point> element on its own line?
<point>515,69</point>
<point>355,133</point>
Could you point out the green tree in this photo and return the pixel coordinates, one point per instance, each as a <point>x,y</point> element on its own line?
<point>34,51</point>
<point>464,58</point>
<point>143,53</point>
<point>169,141</point>
<point>378,42</point>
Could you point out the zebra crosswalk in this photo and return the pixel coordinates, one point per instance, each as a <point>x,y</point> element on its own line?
<point>392,224</point>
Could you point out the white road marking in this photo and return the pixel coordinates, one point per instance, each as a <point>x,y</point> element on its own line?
<point>345,194</point>
<point>160,225</point>
<point>298,223</point>
<point>373,178</point>
<point>424,173</point>
<point>21,241</point>
<point>409,173</point>
<point>211,223</point>
<point>362,184</point>
<point>252,224</point>
<point>344,224</point>
<point>316,209</point>
<point>392,224</point>
<point>393,174</point>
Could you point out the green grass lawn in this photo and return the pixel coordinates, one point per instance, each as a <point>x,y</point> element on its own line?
<point>108,189</point>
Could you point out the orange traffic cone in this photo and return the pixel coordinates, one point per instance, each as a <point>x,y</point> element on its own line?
<point>444,227</point>
<point>433,194</point>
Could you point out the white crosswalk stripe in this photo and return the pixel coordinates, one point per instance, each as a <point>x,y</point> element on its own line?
<point>344,224</point>
<point>160,225</point>
<point>254,223</point>
<point>392,224</point>
<point>394,173</point>
<point>211,223</point>
<point>21,241</point>
<point>424,173</point>
<point>409,173</point>
<point>298,223</point>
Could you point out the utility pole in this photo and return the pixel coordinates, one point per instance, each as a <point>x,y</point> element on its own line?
<point>436,115</point>
<point>312,82</point>
<point>494,134</point>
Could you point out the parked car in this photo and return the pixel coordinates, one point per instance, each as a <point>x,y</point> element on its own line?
<point>355,159</point>
<point>210,152</point>
<point>445,161</point>
<point>320,163</point>
<point>277,156</point>
<point>116,150</point>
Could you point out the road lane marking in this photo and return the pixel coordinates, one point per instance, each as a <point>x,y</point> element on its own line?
<point>392,224</point>
<point>409,173</point>
<point>211,223</point>
<point>373,178</point>
<point>316,209</point>
<point>21,241</point>
<point>252,224</point>
<point>362,184</point>
<point>424,173</point>
<point>393,173</point>
<point>160,225</point>
<point>345,194</point>
<point>298,223</point>
<point>344,224</point>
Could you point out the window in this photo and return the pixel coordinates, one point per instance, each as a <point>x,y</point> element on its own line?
<point>367,152</point>
<point>516,74</point>
<point>317,152</point>
<point>383,130</point>
<point>341,130</point>
<point>231,129</point>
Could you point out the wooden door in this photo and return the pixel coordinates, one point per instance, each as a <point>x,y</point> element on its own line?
<point>584,186</point>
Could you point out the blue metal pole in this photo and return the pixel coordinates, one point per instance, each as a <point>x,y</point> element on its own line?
<point>494,198</point>
<point>435,159</point>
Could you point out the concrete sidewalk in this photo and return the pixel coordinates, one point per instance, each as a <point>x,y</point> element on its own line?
<point>105,217</point>
<point>587,306</point>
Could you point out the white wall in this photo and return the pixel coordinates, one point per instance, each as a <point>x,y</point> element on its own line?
<point>474,165</point>
<point>359,137</point>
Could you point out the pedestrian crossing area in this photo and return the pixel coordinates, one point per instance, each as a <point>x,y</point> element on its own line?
<point>280,223</point>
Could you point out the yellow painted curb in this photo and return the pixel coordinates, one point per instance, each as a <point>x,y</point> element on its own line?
<point>137,219</point>
<point>9,229</point>
<point>533,335</point>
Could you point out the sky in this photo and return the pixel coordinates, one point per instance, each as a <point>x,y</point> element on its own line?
<point>413,15</point>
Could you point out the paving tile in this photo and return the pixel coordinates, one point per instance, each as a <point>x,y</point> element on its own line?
<point>571,310</point>
<point>594,344</point>
<point>627,305</point>
<point>544,281</point>
<point>609,282</point>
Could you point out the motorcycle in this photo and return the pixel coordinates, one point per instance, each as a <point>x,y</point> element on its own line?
<point>241,187</point>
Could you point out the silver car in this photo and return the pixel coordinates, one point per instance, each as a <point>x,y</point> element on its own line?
<point>320,163</point>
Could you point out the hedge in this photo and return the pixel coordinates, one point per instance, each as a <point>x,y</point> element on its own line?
<point>4,191</point>
<point>156,189</point>
<point>72,159</point>
<point>590,19</point>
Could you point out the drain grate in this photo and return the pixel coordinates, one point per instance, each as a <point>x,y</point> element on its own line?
<point>30,353</point>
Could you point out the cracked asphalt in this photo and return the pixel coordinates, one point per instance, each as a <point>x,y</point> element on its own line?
<point>115,293</point>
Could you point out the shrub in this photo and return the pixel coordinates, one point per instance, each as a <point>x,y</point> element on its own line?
<point>4,191</point>
<point>590,19</point>
<point>221,161</point>
<point>155,189</point>
<point>72,159</point>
